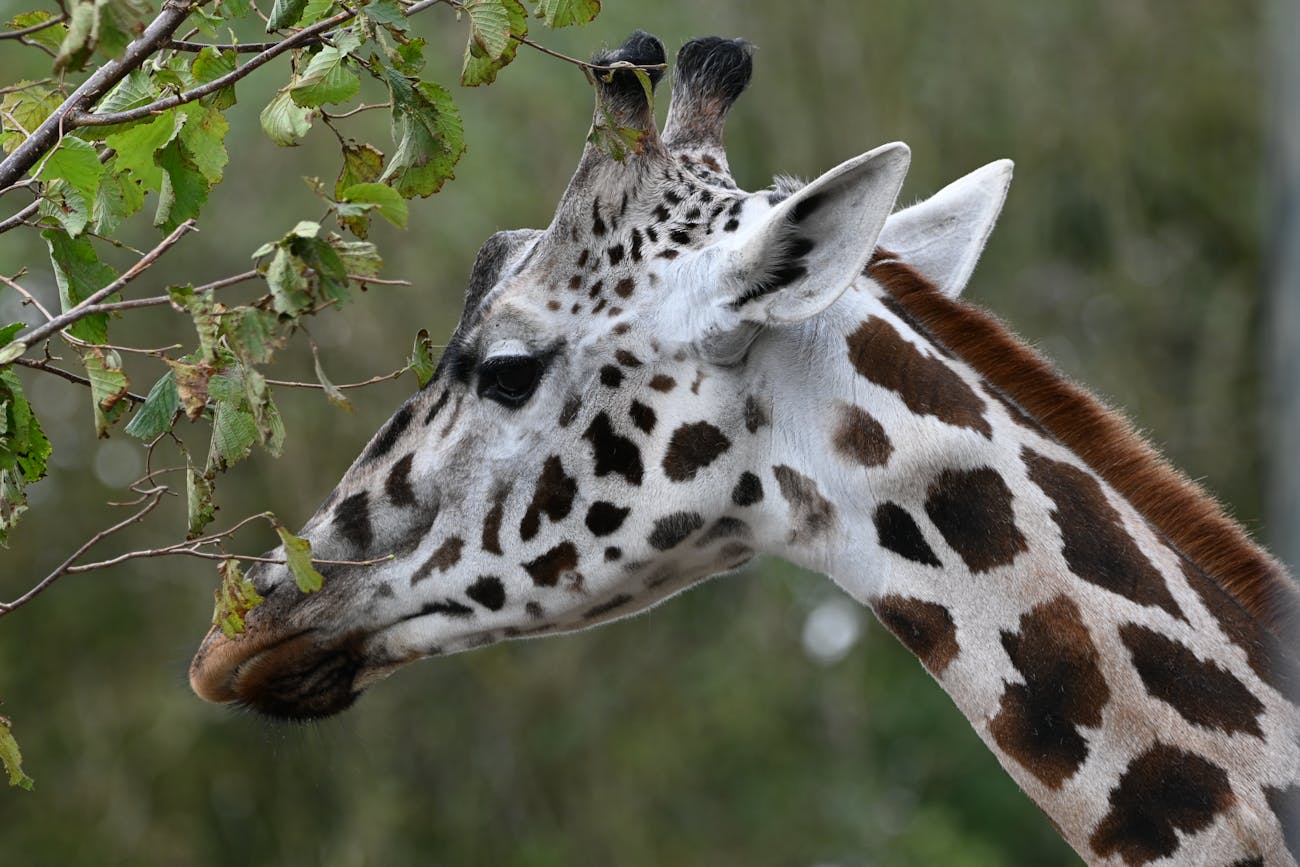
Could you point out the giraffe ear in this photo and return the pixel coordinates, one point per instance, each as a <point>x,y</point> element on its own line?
<point>815,243</point>
<point>944,236</point>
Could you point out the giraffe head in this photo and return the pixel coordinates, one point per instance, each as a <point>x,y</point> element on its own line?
<point>584,449</point>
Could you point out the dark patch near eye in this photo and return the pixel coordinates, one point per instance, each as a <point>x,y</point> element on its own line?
<point>398,483</point>
<point>642,416</point>
<point>693,447</point>
<point>611,376</point>
<point>624,287</point>
<point>553,496</point>
<point>1202,692</point>
<point>534,610</point>
<point>860,438</point>
<point>488,591</point>
<point>925,628</point>
<point>597,224</point>
<point>972,509</point>
<point>352,520</point>
<point>447,555</point>
<point>447,607</point>
<point>636,245</point>
<point>613,553</point>
<point>897,532</point>
<point>725,527</point>
<point>1038,722</point>
<point>604,518</point>
<point>663,382</point>
<point>570,410</point>
<point>755,414</point>
<point>582,258</point>
<point>1285,804</point>
<point>606,607</point>
<point>671,530</point>
<point>437,407</point>
<point>1095,544</point>
<point>731,225</point>
<point>626,358</point>
<point>812,514</point>
<point>613,453</point>
<point>615,254</point>
<point>806,207</point>
<point>1164,790</point>
<point>388,437</point>
<point>1257,861</point>
<point>547,569</point>
<point>924,383</point>
<point>491,539</point>
<point>748,490</point>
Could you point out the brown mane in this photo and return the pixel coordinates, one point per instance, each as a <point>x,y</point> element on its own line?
<point>1188,517</point>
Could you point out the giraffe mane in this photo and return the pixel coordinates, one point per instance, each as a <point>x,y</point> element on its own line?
<point>1187,516</point>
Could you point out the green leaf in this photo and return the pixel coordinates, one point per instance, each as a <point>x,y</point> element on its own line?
<point>391,206</point>
<point>108,387</point>
<point>12,757</point>
<point>156,414</point>
<point>236,596</point>
<point>136,90</point>
<point>66,205</point>
<point>285,121</point>
<point>184,189</point>
<point>420,360</point>
<point>209,65</point>
<point>193,384</point>
<point>362,163</point>
<point>79,39</point>
<point>562,13</point>
<point>333,393</point>
<point>285,13</point>
<point>429,135</point>
<point>326,80</point>
<point>297,554</point>
<point>200,510</point>
<point>252,335</point>
<point>481,69</point>
<point>118,198</point>
<point>203,138</point>
<point>288,283</point>
<point>387,13</point>
<point>359,258</point>
<point>7,333</point>
<point>317,10</point>
<point>51,37</point>
<point>202,308</point>
<point>79,273</point>
<point>495,23</point>
<point>26,108</point>
<point>77,164</point>
<point>137,145</point>
<point>24,451</point>
<point>233,435</point>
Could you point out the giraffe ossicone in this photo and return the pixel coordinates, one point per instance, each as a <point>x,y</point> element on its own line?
<point>676,376</point>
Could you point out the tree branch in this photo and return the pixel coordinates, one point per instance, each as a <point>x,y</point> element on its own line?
<point>34,28</point>
<point>158,300</point>
<point>70,376</point>
<point>237,47</point>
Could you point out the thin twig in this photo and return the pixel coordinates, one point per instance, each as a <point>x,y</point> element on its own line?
<point>361,278</point>
<point>360,108</point>
<point>69,376</point>
<point>373,380</point>
<point>20,218</point>
<point>28,298</point>
<point>157,300</point>
<point>33,28</point>
<point>238,47</point>
<point>26,85</point>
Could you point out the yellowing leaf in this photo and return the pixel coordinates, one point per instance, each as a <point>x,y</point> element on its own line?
<point>12,758</point>
<point>285,121</point>
<point>562,13</point>
<point>235,597</point>
<point>297,554</point>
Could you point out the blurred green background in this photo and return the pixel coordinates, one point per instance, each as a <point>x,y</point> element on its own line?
<point>710,731</point>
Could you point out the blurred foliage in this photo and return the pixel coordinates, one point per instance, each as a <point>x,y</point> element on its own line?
<point>700,733</point>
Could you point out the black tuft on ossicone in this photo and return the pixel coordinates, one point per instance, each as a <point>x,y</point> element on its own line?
<point>713,67</point>
<point>621,90</point>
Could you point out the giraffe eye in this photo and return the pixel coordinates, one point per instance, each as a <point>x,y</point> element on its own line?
<point>509,380</point>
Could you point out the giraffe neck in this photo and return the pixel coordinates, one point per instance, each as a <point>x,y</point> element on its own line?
<point>1126,692</point>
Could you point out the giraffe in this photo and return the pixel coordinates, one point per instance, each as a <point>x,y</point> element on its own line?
<point>677,376</point>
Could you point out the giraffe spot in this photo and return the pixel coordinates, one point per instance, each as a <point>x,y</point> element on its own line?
<point>1163,791</point>
<point>547,569</point>
<point>615,254</point>
<point>642,416</point>
<point>575,282</point>
<point>553,497</point>
<point>398,483</point>
<point>599,306</point>
<point>607,606</point>
<point>1264,652</point>
<point>972,510</point>
<point>860,438</point>
<point>613,453</point>
<point>660,214</point>
<point>663,382</point>
<point>748,490</point>
<point>897,532</point>
<point>1285,804</point>
<point>1095,544</point>
<point>626,358</point>
<point>812,515</point>
<point>569,411</point>
<point>582,257</point>
<point>1257,861</point>
<point>534,610</point>
<point>680,236</point>
<point>731,225</point>
<point>926,385</point>
<point>1202,692</point>
<point>447,608</point>
<point>447,555</point>
<point>671,530</point>
<point>1038,721</point>
<point>724,528</point>
<point>488,591</point>
<point>352,520</point>
<point>755,414</point>
<point>693,447</point>
<point>611,376</point>
<point>925,628</point>
<point>613,553</point>
<point>437,406</point>
<point>491,538</point>
<point>624,287</point>
<point>388,437</point>
<point>597,224</point>
<point>667,254</point>
<point>604,518</point>
<point>636,246</point>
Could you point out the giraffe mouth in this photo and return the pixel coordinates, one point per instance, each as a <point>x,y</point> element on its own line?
<point>294,675</point>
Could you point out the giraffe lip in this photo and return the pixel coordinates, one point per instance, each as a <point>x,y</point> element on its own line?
<point>217,665</point>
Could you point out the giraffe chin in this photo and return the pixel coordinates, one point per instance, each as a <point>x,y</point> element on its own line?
<point>294,676</point>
